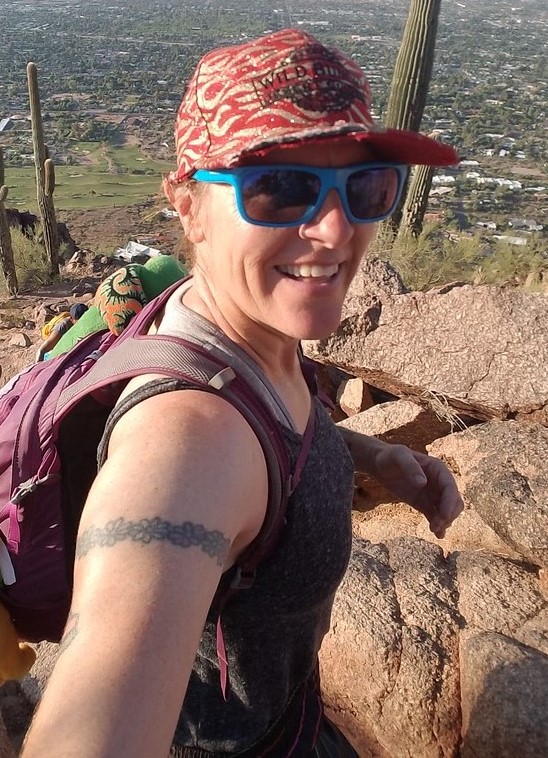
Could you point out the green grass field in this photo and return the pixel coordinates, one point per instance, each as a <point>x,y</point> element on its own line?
<point>96,184</point>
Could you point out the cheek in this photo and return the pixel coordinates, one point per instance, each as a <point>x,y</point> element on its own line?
<point>365,235</point>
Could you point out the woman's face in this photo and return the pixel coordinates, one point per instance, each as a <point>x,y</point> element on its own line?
<point>260,278</point>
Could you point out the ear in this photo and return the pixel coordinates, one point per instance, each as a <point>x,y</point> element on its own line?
<point>186,204</point>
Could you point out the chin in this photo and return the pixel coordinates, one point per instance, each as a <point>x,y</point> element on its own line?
<point>315,334</point>
<point>311,323</point>
<point>318,331</point>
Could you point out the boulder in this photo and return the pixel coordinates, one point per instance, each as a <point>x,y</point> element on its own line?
<point>76,261</point>
<point>390,661</point>
<point>504,690</point>
<point>374,280</point>
<point>426,651</point>
<point>501,472</point>
<point>480,351</point>
<point>354,396</point>
<point>19,339</point>
<point>393,520</point>
<point>499,595</point>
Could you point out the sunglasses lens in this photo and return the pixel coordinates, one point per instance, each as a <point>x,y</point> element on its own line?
<point>279,196</point>
<point>372,192</point>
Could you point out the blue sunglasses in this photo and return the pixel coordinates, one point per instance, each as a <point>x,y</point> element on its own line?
<point>290,195</point>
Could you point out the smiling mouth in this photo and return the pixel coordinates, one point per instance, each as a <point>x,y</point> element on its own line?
<point>309,272</point>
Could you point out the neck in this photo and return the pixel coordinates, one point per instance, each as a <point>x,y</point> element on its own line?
<point>276,354</point>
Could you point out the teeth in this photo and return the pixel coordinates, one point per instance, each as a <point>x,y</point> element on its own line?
<point>314,272</point>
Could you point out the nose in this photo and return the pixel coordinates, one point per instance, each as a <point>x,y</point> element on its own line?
<point>330,225</point>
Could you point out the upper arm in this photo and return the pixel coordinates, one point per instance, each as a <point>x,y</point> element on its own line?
<point>58,331</point>
<point>50,342</point>
<point>184,455</point>
<point>184,488</point>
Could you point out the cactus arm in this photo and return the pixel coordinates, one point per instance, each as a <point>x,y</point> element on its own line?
<point>49,177</point>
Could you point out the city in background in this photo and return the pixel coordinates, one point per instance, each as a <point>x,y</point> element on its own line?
<point>111,75</point>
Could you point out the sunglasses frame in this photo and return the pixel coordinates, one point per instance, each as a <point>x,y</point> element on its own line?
<point>330,177</point>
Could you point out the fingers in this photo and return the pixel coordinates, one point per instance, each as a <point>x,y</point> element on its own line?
<point>422,481</point>
<point>409,465</point>
<point>451,505</point>
<point>443,494</point>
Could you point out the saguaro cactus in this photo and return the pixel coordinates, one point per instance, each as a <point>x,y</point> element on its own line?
<point>6,250</point>
<point>412,73</point>
<point>416,201</point>
<point>41,155</point>
<point>413,69</point>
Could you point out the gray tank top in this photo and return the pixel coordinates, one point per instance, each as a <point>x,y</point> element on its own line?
<point>272,631</point>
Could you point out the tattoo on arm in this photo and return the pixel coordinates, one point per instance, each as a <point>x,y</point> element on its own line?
<point>147,530</point>
<point>70,633</point>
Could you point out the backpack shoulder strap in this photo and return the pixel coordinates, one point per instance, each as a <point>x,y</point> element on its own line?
<point>136,353</point>
<point>266,429</point>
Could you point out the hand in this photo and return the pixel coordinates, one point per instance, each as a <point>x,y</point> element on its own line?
<point>420,480</point>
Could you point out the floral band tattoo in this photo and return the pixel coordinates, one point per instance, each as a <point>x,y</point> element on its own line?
<point>147,530</point>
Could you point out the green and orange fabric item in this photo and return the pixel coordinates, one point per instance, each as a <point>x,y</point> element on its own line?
<point>120,296</point>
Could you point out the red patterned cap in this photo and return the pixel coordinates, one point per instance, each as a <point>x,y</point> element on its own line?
<point>281,90</point>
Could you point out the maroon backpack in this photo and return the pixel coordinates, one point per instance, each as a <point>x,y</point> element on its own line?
<point>52,418</point>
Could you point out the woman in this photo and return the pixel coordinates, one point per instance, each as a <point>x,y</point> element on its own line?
<point>281,176</point>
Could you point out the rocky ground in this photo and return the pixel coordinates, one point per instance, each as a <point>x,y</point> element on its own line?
<point>99,232</point>
<point>104,229</point>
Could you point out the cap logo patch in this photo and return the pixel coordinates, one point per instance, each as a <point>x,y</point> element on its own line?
<point>313,81</point>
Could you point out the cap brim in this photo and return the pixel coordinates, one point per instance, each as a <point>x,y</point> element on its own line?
<point>395,145</point>
<point>413,148</point>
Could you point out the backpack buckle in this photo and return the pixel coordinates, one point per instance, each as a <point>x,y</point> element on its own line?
<point>6,566</point>
<point>243,579</point>
<point>28,487</point>
<point>222,378</point>
<point>24,489</point>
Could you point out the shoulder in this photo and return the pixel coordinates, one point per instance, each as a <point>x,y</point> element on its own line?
<point>195,447</point>
<point>63,326</point>
<point>173,414</point>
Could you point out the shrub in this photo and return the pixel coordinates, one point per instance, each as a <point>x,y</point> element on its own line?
<point>509,264</point>
<point>435,258</point>
<point>431,259</point>
<point>31,263</point>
